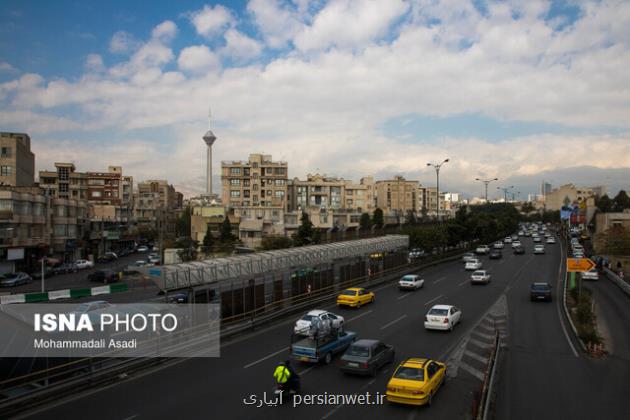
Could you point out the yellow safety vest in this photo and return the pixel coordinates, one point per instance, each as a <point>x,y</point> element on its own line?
<point>281,374</point>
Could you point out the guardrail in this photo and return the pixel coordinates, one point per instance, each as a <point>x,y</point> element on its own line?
<point>488,380</point>
<point>62,294</point>
<point>564,295</point>
<point>622,284</point>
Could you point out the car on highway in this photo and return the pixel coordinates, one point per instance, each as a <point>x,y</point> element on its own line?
<point>507,240</point>
<point>468,256</point>
<point>540,291</point>
<point>495,254</point>
<point>590,275</point>
<point>537,239</point>
<point>315,350</point>
<point>519,250</point>
<point>355,297</point>
<point>83,264</point>
<point>417,253</point>
<point>578,254</point>
<point>550,240</point>
<point>179,297</point>
<point>498,245</point>
<point>516,243</point>
<point>480,277</point>
<point>153,259</point>
<point>473,265</point>
<point>416,381</point>
<point>303,325</point>
<point>14,279</point>
<point>366,356</point>
<point>539,249</point>
<point>442,317</point>
<point>103,276</point>
<point>482,250</point>
<point>410,282</point>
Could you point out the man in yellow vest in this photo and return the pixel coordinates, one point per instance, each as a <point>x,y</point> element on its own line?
<point>284,375</point>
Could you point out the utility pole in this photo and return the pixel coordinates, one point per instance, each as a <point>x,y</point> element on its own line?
<point>486,182</point>
<point>505,192</point>
<point>437,167</point>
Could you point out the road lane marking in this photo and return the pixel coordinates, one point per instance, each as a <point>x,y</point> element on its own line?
<point>476,357</point>
<point>439,280</point>
<point>479,343</point>
<point>474,372</point>
<point>131,417</point>
<point>265,358</point>
<point>389,324</point>
<point>354,318</point>
<point>307,370</point>
<point>463,283</point>
<point>403,296</point>
<point>433,300</point>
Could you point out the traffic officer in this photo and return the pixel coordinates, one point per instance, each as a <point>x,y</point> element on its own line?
<point>282,374</point>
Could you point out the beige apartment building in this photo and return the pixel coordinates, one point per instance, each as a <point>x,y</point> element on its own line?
<point>430,201</point>
<point>155,204</point>
<point>17,162</point>
<point>398,196</point>
<point>255,192</point>
<point>555,199</point>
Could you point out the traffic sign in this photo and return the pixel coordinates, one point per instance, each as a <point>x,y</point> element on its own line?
<point>579,265</point>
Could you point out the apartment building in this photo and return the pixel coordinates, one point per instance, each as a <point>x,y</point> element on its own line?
<point>430,201</point>
<point>398,196</point>
<point>155,205</point>
<point>17,162</point>
<point>255,192</point>
<point>569,194</point>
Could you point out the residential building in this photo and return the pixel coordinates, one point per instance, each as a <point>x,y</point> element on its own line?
<point>398,196</point>
<point>255,192</point>
<point>155,206</point>
<point>210,217</point>
<point>567,194</point>
<point>64,182</point>
<point>604,221</point>
<point>430,201</point>
<point>17,162</point>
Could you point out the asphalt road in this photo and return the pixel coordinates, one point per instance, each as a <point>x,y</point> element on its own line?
<point>537,355</point>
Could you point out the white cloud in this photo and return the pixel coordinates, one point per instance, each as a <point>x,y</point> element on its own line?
<point>350,23</point>
<point>94,63</point>
<point>211,21</point>
<point>276,21</point>
<point>241,47</point>
<point>198,59</point>
<point>6,67</point>
<point>165,31</point>
<point>123,43</point>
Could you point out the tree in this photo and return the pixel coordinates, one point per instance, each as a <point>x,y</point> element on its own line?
<point>182,225</point>
<point>410,218</point>
<point>365,223</point>
<point>187,249</point>
<point>615,241</point>
<point>269,243</point>
<point>377,218</point>
<point>604,204</point>
<point>304,234</point>
<point>527,208</point>
<point>226,231</point>
<point>208,239</point>
<point>622,201</point>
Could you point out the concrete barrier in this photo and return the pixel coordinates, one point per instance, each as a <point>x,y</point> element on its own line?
<point>622,284</point>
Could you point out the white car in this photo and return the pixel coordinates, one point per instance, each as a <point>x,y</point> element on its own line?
<point>303,324</point>
<point>143,249</point>
<point>550,240</point>
<point>442,317</point>
<point>498,245</point>
<point>536,239</point>
<point>539,249</point>
<point>507,240</point>
<point>83,264</point>
<point>468,256</point>
<point>480,276</point>
<point>410,281</point>
<point>516,244</point>
<point>482,249</point>
<point>590,275</point>
<point>140,263</point>
<point>473,265</point>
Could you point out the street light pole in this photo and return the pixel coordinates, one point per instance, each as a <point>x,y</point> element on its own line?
<point>486,182</point>
<point>437,167</point>
<point>505,192</point>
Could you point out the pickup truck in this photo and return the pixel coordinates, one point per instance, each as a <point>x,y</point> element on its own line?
<point>312,350</point>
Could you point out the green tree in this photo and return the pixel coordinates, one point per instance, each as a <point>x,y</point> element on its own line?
<point>269,243</point>
<point>208,239</point>
<point>410,218</point>
<point>182,224</point>
<point>225,232</point>
<point>604,204</point>
<point>615,241</point>
<point>365,223</point>
<point>187,249</point>
<point>622,201</point>
<point>527,208</point>
<point>377,218</point>
<point>304,234</point>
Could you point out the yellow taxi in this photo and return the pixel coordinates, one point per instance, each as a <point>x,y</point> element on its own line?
<point>415,381</point>
<point>355,297</point>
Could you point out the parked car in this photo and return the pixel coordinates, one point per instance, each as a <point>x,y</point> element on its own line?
<point>417,253</point>
<point>468,256</point>
<point>482,250</point>
<point>83,264</point>
<point>66,268</point>
<point>498,245</point>
<point>51,262</point>
<point>303,325</point>
<point>416,381</point>
<point>104,276</point>
<point>519,250</point>
<point>539,249</point>
<point>410,281</point>
<point>442,317</point>
<point>153,259</point>
<point>37,274</point>
<point>495,254</point>
<point>180,297</point>
<point>366,356</point>
<point>473,265</point>
<point>590,275</point>
<point>480,277</point>
<point>143,248</point>
<point>540,291</point>
<point>140,263</point>
<point>14,279</point>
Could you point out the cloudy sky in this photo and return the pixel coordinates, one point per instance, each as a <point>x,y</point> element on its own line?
<point>521,90</point>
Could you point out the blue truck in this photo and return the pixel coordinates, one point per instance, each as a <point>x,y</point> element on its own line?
<point>315,350</point>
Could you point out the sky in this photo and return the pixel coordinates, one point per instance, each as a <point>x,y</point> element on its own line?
<point>522,90</point>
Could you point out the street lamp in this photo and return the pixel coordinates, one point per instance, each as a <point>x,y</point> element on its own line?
<point>486,182</point>
<point>505,192</point>
<point>437,167</point>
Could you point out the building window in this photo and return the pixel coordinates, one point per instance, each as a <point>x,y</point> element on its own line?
<point>6,205</point>
<point>6,152</point>
<point>235,194</point>
<point>281,171</point>
<point>255,165</point>
<point>246,193</point>
<point>6,170</point>
<point>246,183</point>
<point>63,174</point>
<point>96,194</point>
<point>235,171</point>
<point>235,182</point>
<point>279,194</point>
<point>279,181</point>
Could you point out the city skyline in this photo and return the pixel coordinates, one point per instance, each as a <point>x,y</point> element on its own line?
<point>420,84</point>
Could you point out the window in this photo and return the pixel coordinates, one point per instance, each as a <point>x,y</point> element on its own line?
<point>279,181</point>
<point>235,182</point>
<point>281,171</point>
<point>279,194</point>
<point>96,194</point>
<point>6,170</point>
<point>246,183</point>
<point>235,171</point>
<point>6,205</point>
<point>255,165</point>
<point>235,194</point>
<point>63,188</point>
<point>6,152</point>
<point>246,193</point>
<point>255,187</point>
<point>64,174</point>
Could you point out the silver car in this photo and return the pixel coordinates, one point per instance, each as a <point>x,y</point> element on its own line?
<point>14,279</point>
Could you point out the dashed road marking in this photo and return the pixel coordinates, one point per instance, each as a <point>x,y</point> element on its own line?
<point>354,318</point>
<point>439,280</point>
<point>475,356</point>
<point>473,371</point>
<point>389,324</point>
<point>482,335</point>
<point>403,296</point>
<point>480,343</point>
<point>433,300</point>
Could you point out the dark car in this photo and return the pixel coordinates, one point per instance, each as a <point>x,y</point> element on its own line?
<point>107,257</point>
<point>104,276</point>
<point>178,298</point>
<point>48,272</point>
<point>540,291</point>
<point>495,254</point>
<point>14,279</point>
<point>519,250</point>
<point>366,357</point>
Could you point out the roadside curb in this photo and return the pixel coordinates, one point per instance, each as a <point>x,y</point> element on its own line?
<point>63,294</point>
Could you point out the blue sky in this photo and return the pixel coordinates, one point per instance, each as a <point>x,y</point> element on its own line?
<point>377,84</point>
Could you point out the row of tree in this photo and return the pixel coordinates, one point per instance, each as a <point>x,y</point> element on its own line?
<point>620,203</point>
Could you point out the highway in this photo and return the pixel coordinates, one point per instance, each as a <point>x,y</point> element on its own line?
<point>537,360</point>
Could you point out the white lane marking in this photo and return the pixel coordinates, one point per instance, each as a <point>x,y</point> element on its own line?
<point>433,300</point>
<point>331,412</point>
<point>560,296</point>
<point>389,324</point>
<point>265,358</point>
<point>474,372</point>
<point>476,357</point>
<point>131,417</point>
<point>463,283</point>
<point>307,370</point>
<point>403,296</point>
<point>354,318</point>
<point>439,280</point>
